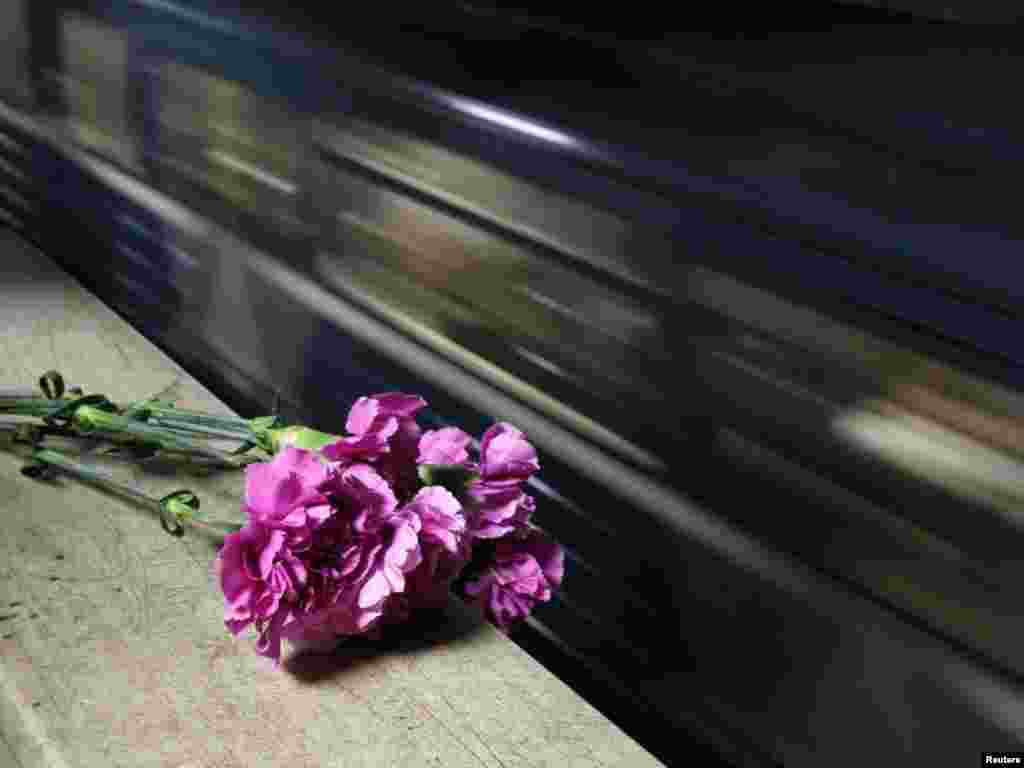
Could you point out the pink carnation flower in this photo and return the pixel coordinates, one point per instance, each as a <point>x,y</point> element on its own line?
<point>383,430</point>
<point>360,493</point>
<point>262,580</point>
<point>285,492</point>
<point>498,505</point>
<point>444,544</point>
<point>497,511</point>
<point>261,568</point>
<point>506,458</point>
<point>340,542</point>
<point>522,572</point>
<point>360,558</point>
<point>373,422</point>
<point>443,446</point>
<point>323,575</point>
<point>441,517</point>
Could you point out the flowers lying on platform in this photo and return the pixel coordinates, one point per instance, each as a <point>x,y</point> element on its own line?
<point>342,534</point>
<point>379,524</point>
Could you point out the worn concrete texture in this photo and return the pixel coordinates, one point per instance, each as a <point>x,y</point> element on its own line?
<point>112,646</point>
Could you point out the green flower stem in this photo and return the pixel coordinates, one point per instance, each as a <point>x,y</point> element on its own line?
<point>198,418</point>
<point>175,510</point>
<point>215,527</point>
<point>58,461</point>
<point>90,475</point>
<point>150,422</point>
<point>211,433</point>
<point>39,407</point>
<point>201,425</point>
<point>24,403</point>
<point>92,420</point>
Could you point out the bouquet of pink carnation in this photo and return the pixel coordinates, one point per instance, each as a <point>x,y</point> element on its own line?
<point>343,534</point>
<point>374,526</point>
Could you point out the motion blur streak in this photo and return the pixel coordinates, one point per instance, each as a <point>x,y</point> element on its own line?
<point>514,123</point>
<point>507,381</point>
<point>252,171</point>
<point>940,455</point>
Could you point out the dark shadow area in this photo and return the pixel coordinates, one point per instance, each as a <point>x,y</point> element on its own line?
<point>454,625</point>
<point>14,275</point>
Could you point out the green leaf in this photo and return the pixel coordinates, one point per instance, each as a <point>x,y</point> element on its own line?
<point>300,437</point>
<point>261,423</point>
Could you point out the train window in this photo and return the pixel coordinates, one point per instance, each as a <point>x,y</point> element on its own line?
<point>95,57</point>
<point>567,224</point>
<point>217,135</point>
<point>569,335</point>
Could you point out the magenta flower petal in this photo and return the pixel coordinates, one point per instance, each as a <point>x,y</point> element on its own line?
<point>369,414</point>
<point>522,572</point>
<point>366,619</point>
<point>269,551</point>
<point>239,608</point>
<point>496,509</point>
<point>505,455</point>
<point>399,404</point>
<point>365,446</point>
<point>268,490</point>
<point>443,446</point>
<point>258,583</point>
<point>230,567</point>
<point>278,492</point>
<point>237,627</point>
<point>403,553</point>
<point>269,643</point>
<point>440,516</point>
<point>382,428</point>
<point>319,512</point>
<point>302,463</point>
<point>551,557</point>
<point>362,488</point>
<point>362,415</point>
<point>374,590</point>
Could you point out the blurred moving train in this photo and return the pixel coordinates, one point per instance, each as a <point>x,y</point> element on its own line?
<point>755,295</point>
